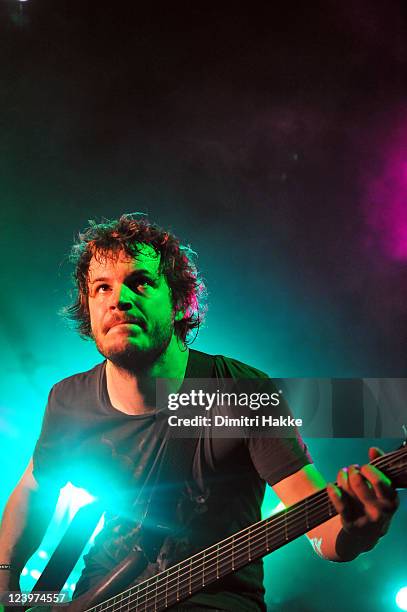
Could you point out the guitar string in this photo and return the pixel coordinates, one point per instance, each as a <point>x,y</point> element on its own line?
<point>271,520</point>
<point>210,574</point>
<point>186,584</point>
<point>241,558</point>
<point>250,531</point>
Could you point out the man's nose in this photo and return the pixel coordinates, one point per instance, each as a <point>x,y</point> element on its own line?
<point>121,298</point>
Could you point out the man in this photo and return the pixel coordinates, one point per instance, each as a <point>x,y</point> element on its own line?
<point>138,298</point>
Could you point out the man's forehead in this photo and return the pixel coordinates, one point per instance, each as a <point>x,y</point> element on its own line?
<point>145,258</point>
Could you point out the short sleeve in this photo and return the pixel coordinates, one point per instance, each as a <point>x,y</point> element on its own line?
<point>273,457</point>
<point>276,458</point>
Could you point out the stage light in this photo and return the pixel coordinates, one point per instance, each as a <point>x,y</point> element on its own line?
<point>277,508</point>
<point>71,499</point>
<point>98,529</point>
<point>35,574</point>
<point>43,554</point>
<point>401,598</point>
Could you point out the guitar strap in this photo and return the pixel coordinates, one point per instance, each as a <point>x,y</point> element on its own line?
<point>173,499</point>
<point>177,459</point>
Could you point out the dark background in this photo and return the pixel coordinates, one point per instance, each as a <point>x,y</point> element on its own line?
<point>273,139</point>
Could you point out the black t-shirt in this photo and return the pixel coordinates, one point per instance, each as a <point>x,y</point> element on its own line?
<point>86,441</point>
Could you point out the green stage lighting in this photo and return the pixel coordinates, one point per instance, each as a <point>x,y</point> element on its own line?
<point>401,598</point>
<point>71,499</point>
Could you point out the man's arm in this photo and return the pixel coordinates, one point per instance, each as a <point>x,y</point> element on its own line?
<point>365,503</point>
<point>25,520</point>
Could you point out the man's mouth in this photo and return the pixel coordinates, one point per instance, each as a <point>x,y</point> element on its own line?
<point>127,322</point>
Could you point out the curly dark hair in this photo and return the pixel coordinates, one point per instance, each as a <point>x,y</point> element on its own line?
<point>109,238</point>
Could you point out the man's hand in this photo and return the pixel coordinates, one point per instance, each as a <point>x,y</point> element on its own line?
<point>365,501</point>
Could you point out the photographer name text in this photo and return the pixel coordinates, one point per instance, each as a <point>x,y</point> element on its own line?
<point>225,421</point>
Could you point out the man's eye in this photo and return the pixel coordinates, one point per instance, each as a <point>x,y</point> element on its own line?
<point>139,285</point>
<point>102,288</point>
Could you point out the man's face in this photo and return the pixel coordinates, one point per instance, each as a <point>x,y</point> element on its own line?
<point>130,307</point>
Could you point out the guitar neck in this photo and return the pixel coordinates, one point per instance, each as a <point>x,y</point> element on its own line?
<point>182,580</point>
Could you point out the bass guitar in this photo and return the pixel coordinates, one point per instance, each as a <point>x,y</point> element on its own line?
<point>180,581</point>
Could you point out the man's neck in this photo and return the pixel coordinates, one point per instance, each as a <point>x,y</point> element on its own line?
<point>134,392</point>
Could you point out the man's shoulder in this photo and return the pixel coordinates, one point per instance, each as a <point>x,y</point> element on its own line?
<point>237,369</point>
<point>228,367</point>
<point>80,381</point>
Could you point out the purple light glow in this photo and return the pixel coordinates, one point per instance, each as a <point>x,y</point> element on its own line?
<point>385,200</point>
